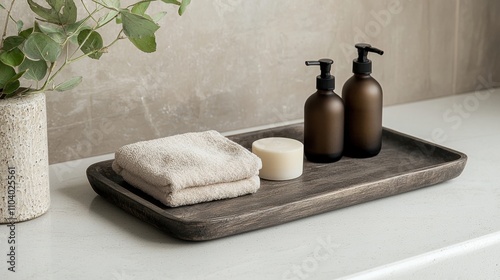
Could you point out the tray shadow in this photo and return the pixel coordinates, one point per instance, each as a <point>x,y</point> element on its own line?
<point>129,223</point>
<point>99,207</point>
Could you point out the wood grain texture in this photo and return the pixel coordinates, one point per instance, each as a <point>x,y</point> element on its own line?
<point>405,163</point>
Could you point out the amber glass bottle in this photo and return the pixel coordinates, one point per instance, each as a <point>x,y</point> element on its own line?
<point>323,118</point>
<point>362,96</point>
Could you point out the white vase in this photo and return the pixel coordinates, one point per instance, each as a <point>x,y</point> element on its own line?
<point>24,174</point>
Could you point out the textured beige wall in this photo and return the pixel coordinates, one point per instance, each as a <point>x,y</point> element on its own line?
<point>232,64</point>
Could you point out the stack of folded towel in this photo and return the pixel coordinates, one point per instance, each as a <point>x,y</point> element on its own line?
<point>189,168</point>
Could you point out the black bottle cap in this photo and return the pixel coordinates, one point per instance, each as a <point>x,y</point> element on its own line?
<point>362,65</point>
<point>325,81</point>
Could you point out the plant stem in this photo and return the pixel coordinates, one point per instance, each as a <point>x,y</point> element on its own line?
<point>44,86</point>
<point>4,34</point>
<point>90,13</point>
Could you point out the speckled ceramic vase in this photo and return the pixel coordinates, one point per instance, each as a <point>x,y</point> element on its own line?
<point>24,175</point>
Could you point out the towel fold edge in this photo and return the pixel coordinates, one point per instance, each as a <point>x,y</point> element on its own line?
<point>194,195</point>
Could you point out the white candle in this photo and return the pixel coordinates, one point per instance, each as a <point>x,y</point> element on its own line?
<point>282,158</point>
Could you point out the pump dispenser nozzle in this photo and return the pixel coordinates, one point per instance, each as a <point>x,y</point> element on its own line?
<point>325,81</point>
<point>362,65</point>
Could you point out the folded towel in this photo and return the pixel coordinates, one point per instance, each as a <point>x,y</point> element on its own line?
<point>189,168</point>
<point>197,194</point>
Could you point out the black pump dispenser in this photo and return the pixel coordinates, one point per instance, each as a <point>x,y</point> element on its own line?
<point>362,65</point>
<point>323,118</point>
<point>325,81</point>
<point>363,101</point>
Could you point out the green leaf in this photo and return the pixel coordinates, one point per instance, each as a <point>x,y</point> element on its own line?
<point>19,25</point>
<point>58,37</point>
<point>40,46</point>
<point>36,27</point>
<point>111,3</point>
<point>140,8</point>
<point>12,42</point>
<point>119,19</point>
<point>47,14</point>
<point>69,84</point>
<point>35,70</point>
<point>183,6</point>
<point>55,32</point>
<point>146,44</point>
<point>2,7</point>
<point>12,58</point>
<point>16,76</point>
<point>60,12</point>
<point>11,87</point>
<point>172,2</point>
<point>137,26</point>
<point>13,84</point>
<point>157,17</point>
<point>76,27</point>
<point>48,28</point>
<point>6,73</point>
<point>90,43</point>
<point>26,33</point>
<point>107,18</point>
<point>114,5</point>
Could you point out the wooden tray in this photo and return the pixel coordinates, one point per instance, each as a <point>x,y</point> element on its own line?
<point>405,163</point>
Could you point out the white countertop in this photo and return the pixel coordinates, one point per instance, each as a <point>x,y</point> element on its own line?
<point>450,230</point>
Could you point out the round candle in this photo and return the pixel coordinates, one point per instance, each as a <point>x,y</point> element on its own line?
<point>282,158</point>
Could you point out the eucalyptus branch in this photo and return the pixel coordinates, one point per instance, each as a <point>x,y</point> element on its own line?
<point>103,49</point>
<point>43,56</point>
<point>4,34</point>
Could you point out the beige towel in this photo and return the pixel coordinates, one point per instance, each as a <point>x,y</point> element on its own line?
<point>189,168</point>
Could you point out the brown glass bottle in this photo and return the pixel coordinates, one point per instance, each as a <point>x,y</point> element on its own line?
<point>363,101</point>
<point>362,96</point>
<point>324,118</point>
